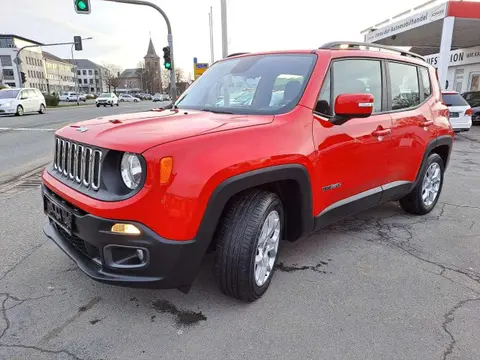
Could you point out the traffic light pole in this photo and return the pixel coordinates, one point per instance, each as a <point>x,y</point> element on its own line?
<point>173,84</point>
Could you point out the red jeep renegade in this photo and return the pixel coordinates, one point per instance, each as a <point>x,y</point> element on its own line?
<point>262,147</point>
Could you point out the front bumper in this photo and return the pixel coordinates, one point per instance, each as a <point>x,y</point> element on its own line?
<point>170,264</point>
<point>7,110</point>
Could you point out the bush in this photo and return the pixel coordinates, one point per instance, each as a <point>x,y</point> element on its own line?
<point>52,100</point>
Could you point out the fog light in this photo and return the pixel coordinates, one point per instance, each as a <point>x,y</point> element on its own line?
<point>140,255</point>
<point>125,229</point>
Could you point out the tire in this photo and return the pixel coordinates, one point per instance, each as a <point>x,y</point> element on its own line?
<point>20,110</point>
<point>111,104</point>
<point>414,203</point>
<point>42,109</point>
<point>117,104</point>
<point>98,105</point>
<point>135,100</point>
<point>237,238</point>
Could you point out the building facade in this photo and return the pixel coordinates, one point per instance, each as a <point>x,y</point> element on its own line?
<point>463,72</point>
<point>59,73</point>
<point>32,63</point>
<point>90,77</point>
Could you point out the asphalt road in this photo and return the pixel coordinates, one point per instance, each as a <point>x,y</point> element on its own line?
<point>26,142</point>
<point>381,285</point>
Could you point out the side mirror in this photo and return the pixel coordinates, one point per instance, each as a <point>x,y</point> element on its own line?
<point>24,97</point>
<point>349,106</point>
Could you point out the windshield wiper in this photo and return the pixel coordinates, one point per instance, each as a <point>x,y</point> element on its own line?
<point>215,111</point>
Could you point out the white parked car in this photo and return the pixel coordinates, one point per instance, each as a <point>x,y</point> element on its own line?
<point>21,101</point>
<point>460,111</point>
<point>107,99</point>
<point>72,96</point>
<point>128,97</point>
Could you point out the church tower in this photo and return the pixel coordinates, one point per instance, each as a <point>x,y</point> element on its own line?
<point>152,67</point>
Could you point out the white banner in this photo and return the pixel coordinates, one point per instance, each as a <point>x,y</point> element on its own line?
<point>458,57</point>
<point>411,22</point>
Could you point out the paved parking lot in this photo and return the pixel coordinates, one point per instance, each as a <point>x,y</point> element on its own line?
<point>381,285</point>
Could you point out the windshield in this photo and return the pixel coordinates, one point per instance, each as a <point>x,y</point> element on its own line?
<point>454,100</point>
<point>8,94</point>
<point>105,96</point>
<point>260,84</point>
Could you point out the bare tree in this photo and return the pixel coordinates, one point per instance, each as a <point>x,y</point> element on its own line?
<point>166,80</point>
<point>143,75</point>
<point>179,75</point>
<point>112,76</point>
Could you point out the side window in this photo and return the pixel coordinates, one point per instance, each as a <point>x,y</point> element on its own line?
<point>403,86</point>
<point>427,86</point>
<point>24,94</point>
<point>31,94</point>
<point>351,76</point>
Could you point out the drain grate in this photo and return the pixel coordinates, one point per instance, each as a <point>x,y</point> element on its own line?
<point>30,183</point>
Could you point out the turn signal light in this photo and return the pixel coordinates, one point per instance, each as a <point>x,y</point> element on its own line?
<point>468,112</point>
<point>166,166</point>
<point>128,229</point>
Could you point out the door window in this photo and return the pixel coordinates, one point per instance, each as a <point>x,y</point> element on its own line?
<point>427,86</point>
<point>24,95</point>
<point>403,86</point>
<point>31,94</point>
<point>349,77</point>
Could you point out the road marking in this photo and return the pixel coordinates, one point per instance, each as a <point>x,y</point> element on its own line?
<point>25,129</point>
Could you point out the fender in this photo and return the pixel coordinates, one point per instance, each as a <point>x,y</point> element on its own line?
<point>439,141</point>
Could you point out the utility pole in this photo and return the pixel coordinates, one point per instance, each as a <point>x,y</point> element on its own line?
<point>210,20</point>
<point>173,85</point>
<point>223,4</point>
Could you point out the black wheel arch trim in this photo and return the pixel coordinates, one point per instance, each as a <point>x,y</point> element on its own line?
<point>438,141</point>
<point>238,183</point>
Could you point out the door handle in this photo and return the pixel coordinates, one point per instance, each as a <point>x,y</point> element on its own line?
<point>426,123</point>
<point>381,132</point>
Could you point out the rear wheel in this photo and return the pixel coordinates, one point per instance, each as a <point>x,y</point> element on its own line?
<point>425,195</point>
<point>20,110</point>
<point>42,109</point>
<point>248,241</point>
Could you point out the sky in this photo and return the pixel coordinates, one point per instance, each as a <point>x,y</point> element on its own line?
<point>121,32</point>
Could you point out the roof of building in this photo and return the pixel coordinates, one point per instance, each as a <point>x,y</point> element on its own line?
<point>151,50</point>
<point>20,37</point>
<point>129,73</point>
<point>49,56</point>
<point>84,64</point>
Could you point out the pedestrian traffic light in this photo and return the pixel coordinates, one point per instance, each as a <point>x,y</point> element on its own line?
<point>167,59</point>
<point>82,6</point>
<point>23,78</point>
<point>77,40</point>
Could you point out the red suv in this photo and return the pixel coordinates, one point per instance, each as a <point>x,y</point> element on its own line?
<point>262,147</point>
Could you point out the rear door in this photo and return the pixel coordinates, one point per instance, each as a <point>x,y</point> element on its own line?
<point>353,158</point>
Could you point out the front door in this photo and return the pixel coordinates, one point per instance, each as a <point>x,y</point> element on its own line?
<point>25,101</point>
<point>351,159</point>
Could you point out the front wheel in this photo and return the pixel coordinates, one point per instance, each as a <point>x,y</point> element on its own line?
<point>20,110</point>
<point>424,196</point>
<point>248,241</point>
<point>98,105</point>
<point>42,109</point>
<point>117,103</point>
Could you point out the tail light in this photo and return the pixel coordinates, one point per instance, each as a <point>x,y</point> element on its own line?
<point>468,112</point>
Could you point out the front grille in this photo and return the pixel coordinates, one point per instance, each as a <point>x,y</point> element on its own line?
<point>79,163</point>
<point>82,246</point>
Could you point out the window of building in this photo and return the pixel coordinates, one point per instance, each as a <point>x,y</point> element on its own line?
<point>78,72</point>
<point>403,86</point>
<point>84,72</point>
<point>6,43</point>
<point>8,74</point>
<point>79,81</point>
<point>85,81</point>
<point>96,72</point>
<point>351,76</point>
<point>5,60</point>
<point>90,72</point>
<point>91,81</point>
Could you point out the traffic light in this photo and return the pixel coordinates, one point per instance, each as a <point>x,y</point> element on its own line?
<point>167,59</point>
<point>23,78</point>
<point>82,6</point>
<point>78,43</point>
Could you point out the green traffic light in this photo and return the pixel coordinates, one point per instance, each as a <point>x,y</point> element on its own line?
<point>168,66</point>
<point>81,5</point>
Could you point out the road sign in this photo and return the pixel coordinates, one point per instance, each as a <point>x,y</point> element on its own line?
<point>17,61</point>
<point>199,68</point>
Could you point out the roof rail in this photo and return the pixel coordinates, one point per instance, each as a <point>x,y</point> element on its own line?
<point>356,45</point>
<point>237,54</point>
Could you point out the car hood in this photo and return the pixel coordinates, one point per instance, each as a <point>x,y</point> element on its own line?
<point>4,101</point>
<point>141,131</point>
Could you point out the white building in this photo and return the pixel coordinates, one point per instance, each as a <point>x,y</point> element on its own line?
<point>463,69</point>
<point>60,74</point>
<point>90,76</point>
<point>32,63</point>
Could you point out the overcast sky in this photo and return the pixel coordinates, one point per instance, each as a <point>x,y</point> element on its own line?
<point>121,32</point>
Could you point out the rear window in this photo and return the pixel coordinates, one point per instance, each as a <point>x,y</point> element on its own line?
<point>454,100</point>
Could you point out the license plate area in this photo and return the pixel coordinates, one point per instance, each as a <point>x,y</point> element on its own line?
<point>59,214</point>
<point>454,114</point>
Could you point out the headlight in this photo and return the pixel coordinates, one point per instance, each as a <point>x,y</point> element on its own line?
<point>7,104</point>
<point>131,170</point>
